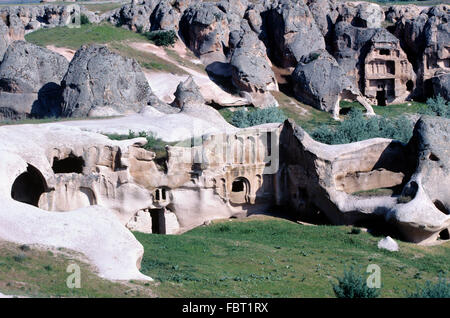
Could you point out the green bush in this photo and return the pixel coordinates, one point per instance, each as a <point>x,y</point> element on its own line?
<point>353,285</point>
<point>356,128</point>
<point>441,289</point>
<point>162,38</point>
<point>437,106</point>
<point>84,19</point>
<point>243,118</point>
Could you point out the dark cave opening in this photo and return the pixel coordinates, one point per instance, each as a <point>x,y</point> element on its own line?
<point>381,98</point>
<point>29,186</point>
<point>71,164</point>
<point>444,235</point>
<point>158,221</point>
<point>238,186</point>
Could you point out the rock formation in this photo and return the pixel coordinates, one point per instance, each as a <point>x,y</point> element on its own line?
<point>30,78</point>
<point>388,75</point>
<point>251,71</point>
<point>292,32</point>
<point>102,83</point>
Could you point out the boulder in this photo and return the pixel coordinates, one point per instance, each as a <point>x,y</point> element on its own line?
<point>426,39</point>
<point>102,83</point>
<point>251,71</point>
<point>188,93</point>
<point>204,28</point>
<point>398,12</point>
<point>292,33</point>
<point>388,244</point>
<point>165,17</point>
<point>441,85</point>
<point>325,14</point>
<point>30,78</point>
<point>318,80</point>
<point>135,16</point>
<point>350,47</point>
<point>361,14</point>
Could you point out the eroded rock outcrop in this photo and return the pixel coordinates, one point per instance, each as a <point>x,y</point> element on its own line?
<point>251,71</point>
<point>292,32</point>
<point>30,78</point>
<point>427,215</point>
<point>102,83</point>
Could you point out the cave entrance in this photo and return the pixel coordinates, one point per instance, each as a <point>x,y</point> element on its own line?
<point>158,221</point>
<point>381,97</point>
<point>71,164</point>
<point>240,189</point>
<point>29,186</point>
<point>444,235</point>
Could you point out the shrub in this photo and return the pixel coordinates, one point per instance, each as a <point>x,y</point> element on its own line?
<point>162,38</point>
<point>437,106</point>
<point>353,285</point>
<point>356,128</point>
<point>441,289</point>
<point>243,118</point>
<point>84,19</point>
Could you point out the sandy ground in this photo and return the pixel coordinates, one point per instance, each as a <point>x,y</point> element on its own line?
<point>67,53</point>
<point>210,90</point>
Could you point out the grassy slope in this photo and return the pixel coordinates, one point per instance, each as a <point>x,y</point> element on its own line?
<point>42,273</point>
<point>277,258</point>
<point>257,257</point>
<point>115,37</point>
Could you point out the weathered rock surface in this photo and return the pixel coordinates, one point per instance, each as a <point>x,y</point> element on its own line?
<point>397,12</point>
<point>318,81</point>
<point>30,78</point>
<point>427,215</point>
<point>251,71</point>
<point>27,154</point>
<point>292,33</point>
<point>101,83</point>
<point>188,93</point>
<point>441,85</point>
<point>361,14</point>
<point>204,28</point>
<point>426,39</point>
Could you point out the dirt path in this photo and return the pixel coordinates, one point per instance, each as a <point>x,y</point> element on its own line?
<point>210,90</point>
<point>66,52</point>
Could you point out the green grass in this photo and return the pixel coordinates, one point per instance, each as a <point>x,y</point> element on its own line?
<point>278,258</point>
<point>389,111</point>
<point>115,37</point>
<point>375,192</point>
<point>86,34</point>
<point>37,272</point>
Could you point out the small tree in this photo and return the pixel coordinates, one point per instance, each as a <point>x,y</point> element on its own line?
<point>243,118</point>
<point>437,106</point>
<point>84,19</point>
<point>353,285</point>
<point>162,38</point>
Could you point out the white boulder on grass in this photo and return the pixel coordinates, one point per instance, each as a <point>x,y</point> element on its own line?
<point>388,244</point>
